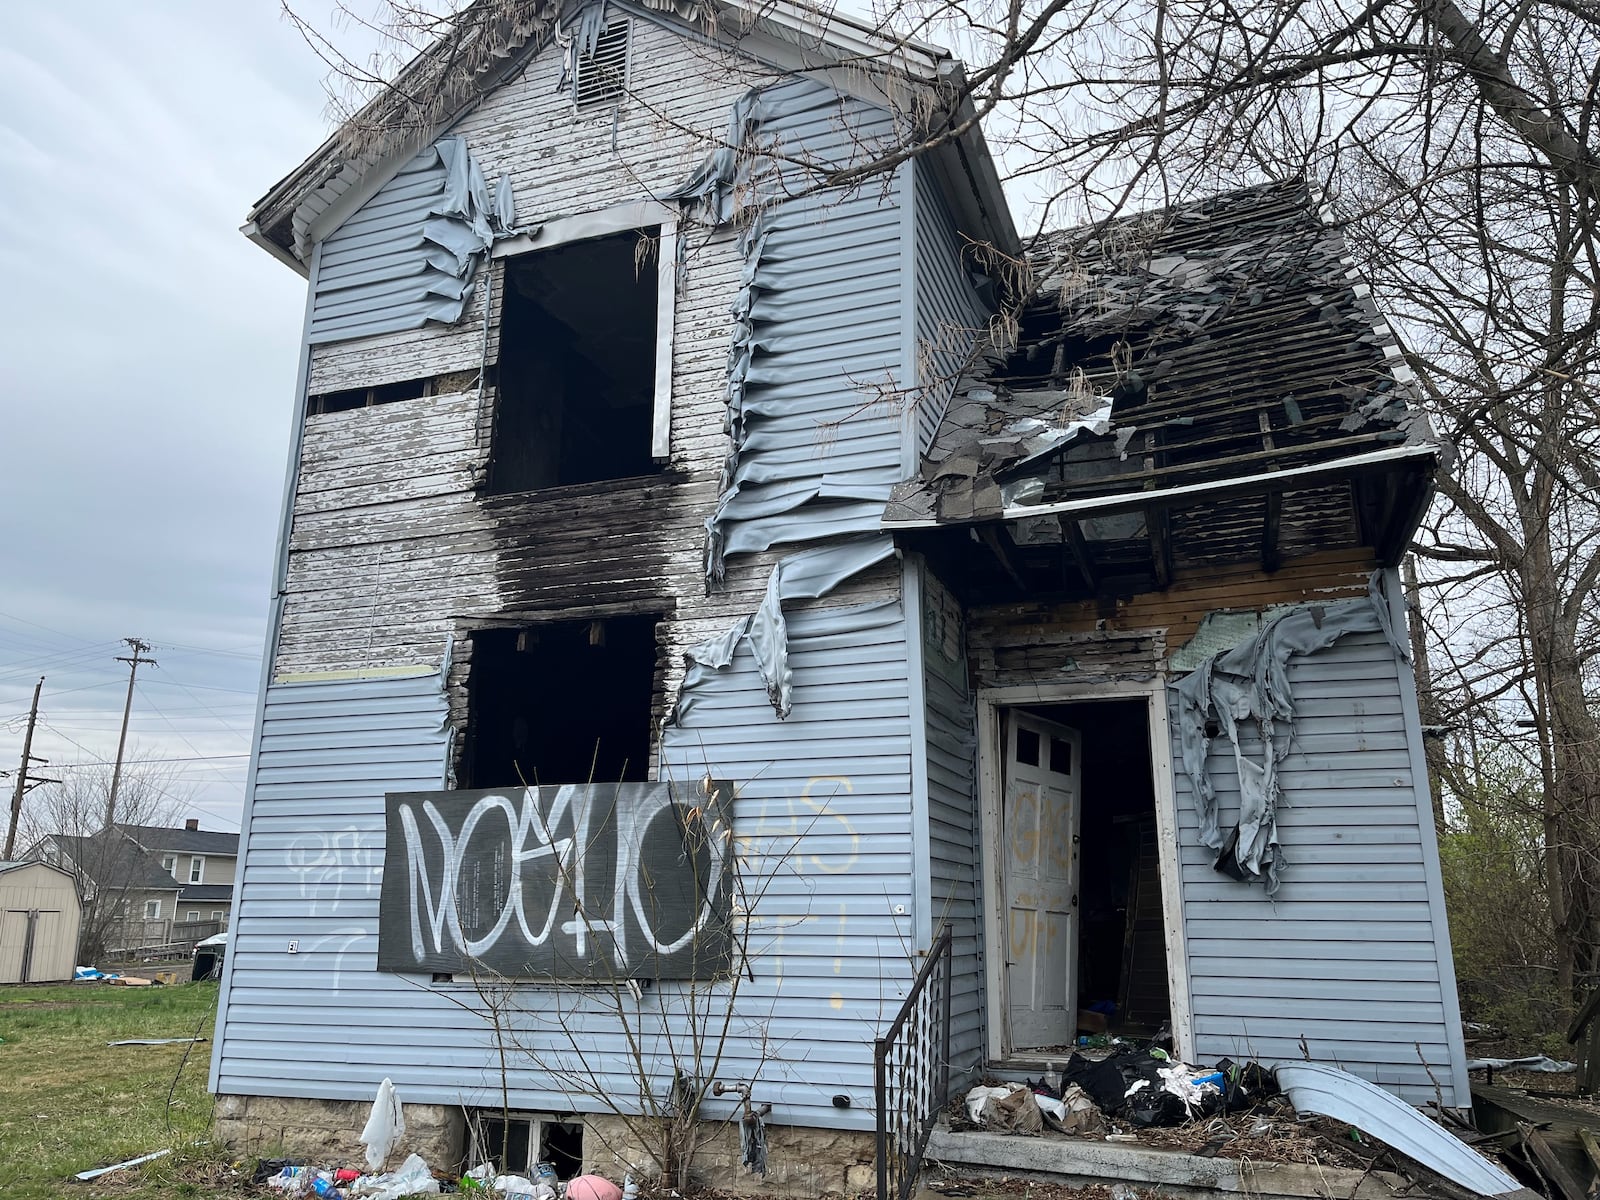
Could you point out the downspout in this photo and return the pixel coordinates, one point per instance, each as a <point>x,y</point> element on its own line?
<point>280,583</point>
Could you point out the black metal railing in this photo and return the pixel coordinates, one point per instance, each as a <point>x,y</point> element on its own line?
<point>912,1074</point>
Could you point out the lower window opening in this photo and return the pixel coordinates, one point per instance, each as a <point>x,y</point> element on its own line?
<point>563,702</point>
<point>1120,974</point>
<point>518,1143</point>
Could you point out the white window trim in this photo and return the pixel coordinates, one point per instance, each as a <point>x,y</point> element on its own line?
<point>217,914</point>
<point>169,864</point>
<point>641,214</point>
<point>152,910</point>
<point>197,868</point>
<point>192,915</point>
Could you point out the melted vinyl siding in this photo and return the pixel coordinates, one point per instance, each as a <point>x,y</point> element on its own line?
<point>374,272</point>
<point>1346,955</point>
<point>827,328</point>
<point>823,802</point>
<point>954,830</point>
<point>948,314</point>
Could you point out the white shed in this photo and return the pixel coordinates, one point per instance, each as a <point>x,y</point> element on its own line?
<point>39,917</point>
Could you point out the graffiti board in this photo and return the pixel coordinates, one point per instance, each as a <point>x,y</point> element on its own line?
<point>576,882</point>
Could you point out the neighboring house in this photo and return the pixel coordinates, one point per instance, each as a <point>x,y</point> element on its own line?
<point>145,885</point>
<point>555,518</point>
<point>38,923</point>
<point>201,861</point>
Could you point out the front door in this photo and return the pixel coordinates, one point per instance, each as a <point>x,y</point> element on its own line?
<point>1039,830</point>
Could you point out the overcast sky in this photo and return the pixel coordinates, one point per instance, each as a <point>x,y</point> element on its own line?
<point>147,373</point>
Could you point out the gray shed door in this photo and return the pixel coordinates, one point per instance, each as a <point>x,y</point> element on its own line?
<point>13,945</point>
<point>1039,824</point>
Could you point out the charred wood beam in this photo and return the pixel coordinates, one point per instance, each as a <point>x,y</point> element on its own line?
<point>1080,553</point>
<point>1159,526</point>
<point>1406,499</point>
<point>1271,559</point>
<point>991,538</point>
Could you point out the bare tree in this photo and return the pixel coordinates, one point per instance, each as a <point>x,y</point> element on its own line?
<point>64,823</point>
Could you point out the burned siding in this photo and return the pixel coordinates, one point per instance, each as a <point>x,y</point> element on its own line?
<point>397,554</point>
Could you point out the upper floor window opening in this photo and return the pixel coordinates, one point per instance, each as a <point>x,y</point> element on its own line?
<point>584,383</point>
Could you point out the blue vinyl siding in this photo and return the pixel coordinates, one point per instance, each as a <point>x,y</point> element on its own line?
<point>953,839</point>
<point>822,816</point>
<point>948,312</point>
<point>819,456</point>
<point>1346,956</point>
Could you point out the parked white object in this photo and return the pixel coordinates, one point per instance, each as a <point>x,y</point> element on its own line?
<point>384,1127</point>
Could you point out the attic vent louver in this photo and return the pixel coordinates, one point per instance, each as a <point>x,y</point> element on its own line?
<point>602,75</point>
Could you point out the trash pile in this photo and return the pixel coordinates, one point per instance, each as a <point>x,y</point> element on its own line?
<point>386,1125</point>
<point>1141,1088</point>
<point>414,1178</point>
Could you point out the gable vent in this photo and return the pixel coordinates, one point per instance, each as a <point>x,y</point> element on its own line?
<point>603,75</point>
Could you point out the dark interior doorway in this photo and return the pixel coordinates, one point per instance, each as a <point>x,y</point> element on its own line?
<point>563,702</point>
<point>1122,949</point>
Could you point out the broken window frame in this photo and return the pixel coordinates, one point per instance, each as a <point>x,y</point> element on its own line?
<point>642,216</point>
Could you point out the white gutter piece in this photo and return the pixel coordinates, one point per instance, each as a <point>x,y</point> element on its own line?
<point>1330,1092</point>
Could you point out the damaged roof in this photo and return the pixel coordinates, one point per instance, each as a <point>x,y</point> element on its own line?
<point>1168,355</point>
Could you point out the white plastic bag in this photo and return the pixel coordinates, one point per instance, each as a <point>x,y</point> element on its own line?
<point>412,1179</point>
<point>385,1126</point>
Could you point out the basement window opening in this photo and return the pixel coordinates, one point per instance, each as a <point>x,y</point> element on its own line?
<point>580,397</point>
<point>516,1143</point>
<point>562,702</point>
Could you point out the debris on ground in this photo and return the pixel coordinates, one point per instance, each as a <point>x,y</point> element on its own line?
<point>86,1176</point>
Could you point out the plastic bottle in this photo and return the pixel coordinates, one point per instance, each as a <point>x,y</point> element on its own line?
<point>630,1189</point>
<point>326,1189</point>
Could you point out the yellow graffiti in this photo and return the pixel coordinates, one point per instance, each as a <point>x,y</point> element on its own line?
<point>1024,826</point>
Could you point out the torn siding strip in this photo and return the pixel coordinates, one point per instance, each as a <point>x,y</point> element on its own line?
<point>1251,681</point>
<point>808,575</point>
<point>410,255</point>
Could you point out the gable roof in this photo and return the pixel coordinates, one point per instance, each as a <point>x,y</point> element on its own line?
<point>368,148</point>
<point>183,841</point>
<point>115,862</point>
<point>18,864</point>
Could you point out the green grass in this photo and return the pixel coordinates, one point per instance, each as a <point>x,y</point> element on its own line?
<point>68,1102</point>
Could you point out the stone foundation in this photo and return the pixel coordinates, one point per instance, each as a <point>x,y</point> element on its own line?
<point>801,1161</point>
<point>329,1131</point>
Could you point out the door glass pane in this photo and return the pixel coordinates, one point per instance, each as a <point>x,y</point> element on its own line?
<point>1060,756</point>
<point>1027,747</point>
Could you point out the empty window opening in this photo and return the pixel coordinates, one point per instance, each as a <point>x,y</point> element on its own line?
<point>388,393</point>
<point>520,1143</point>
<point>577,379</point>
<point>565,702</point>
<point>602,75</point>
<point>1120,968</point>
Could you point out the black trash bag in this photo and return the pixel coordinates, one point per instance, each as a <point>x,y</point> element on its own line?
<point>1102,1080</point>
<point>1245,1085</point>
<point>1041,1087</point>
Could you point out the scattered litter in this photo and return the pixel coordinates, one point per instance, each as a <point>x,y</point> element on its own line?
<point>384,1127</point>
<point>86,1176</point>
<point>1539,1062</point>
<point>155,1041</point>
<point>129,980</point>
<point>411,1179</point>
<point>1012,1108</point>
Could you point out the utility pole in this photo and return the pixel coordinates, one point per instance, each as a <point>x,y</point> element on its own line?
<point>22,774</point>
<point>138,647</point>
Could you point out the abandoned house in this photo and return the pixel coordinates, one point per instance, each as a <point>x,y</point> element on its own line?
<point>686,591</point>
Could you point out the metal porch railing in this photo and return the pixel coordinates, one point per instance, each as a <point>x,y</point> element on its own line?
<point>912,1073</point>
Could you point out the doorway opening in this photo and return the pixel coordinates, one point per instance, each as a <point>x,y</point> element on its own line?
<point>1079,864</point>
